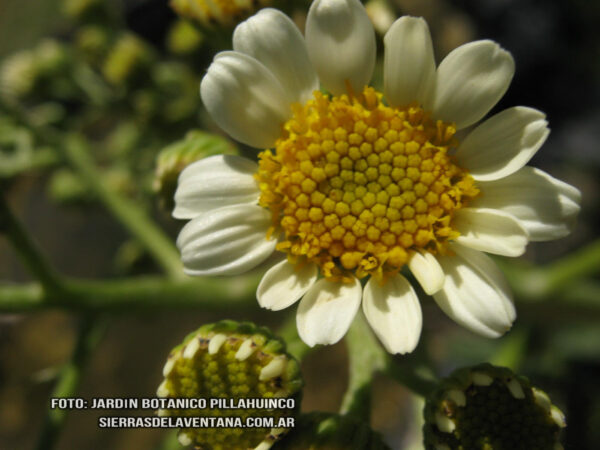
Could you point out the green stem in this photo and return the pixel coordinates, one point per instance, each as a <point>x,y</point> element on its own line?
<point>538,283</point>
<point>289,333</point>
<point>579,303</point>
<point>576,265</point>
<point>90,334</point>
<point>75,152</point>
<point>27,250</point>
<point>418,378</point>
<point>127,212</point>
<point>91,84</point>
<point>170,441</point>
<point>512,350</point>
<point>366,357</point>
<point>140,293</point>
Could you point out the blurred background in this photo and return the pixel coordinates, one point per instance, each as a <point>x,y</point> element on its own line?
<point>126,73</point>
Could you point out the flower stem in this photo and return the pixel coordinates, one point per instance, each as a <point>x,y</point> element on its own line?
<point>169,442</point>
<point>415,377</point>
<point>366,357</point>
<point>132,294</point>
<point>75,151</point>
<point>127,212</point>
<point>512,350</point>
<point>538,283</point>
<point>31,256</point>
<point>289,333</point>
<point>90,334</point>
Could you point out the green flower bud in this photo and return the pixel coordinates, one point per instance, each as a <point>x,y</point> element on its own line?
<point>79,9</point>
<point>490,408</point>
<point>51,57</point>
<point>127,58</point>
<point>16,149</point>
<point>184,38</point>
<point>231,360</point>
<point>223,12</point>
<point>326,431</point>
<point>93,41</point>
<point>18,74</point>
<point>174,158</point>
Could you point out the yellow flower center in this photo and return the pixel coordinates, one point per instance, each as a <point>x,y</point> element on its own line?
<point>357,186</point>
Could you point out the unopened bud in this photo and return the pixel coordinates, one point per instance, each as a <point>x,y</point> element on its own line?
<point>128,57</point>
<point>173,159</point>
<point>232,361</point>
<point>184,38</point>
<point>498,410</point>
<point>18,74</point>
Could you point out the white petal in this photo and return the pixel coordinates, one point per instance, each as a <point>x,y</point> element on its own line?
<point>214,182</point>
<point>341,44</point>
<point>427,271</point>
<point>475,293</point>
<point>394,313</point>
<point>546,207</point>
<point>470,81</point>
<point>503,143</point>
<point>284,283</point>
<point>245,99</point>
<point>272,38</point>
<point>490,230</point>
<point>226,241</point>
<point>409,64</point>
<point>326,311</point>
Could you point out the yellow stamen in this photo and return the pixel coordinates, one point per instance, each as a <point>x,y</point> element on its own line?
<point>357,186</point>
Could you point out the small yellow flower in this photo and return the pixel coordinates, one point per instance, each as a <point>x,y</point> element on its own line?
<point>357,184</point>
<point>221,12</point>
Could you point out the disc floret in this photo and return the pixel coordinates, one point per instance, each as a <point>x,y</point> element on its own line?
<point>357,186</point>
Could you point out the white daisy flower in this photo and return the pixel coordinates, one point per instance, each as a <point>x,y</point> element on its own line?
<point>357,184</point>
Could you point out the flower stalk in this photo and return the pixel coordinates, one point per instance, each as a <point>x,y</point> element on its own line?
<point>124,210</point>
<point>537,283</point>
<point>289,333</point>
<point>28,251</point>
<point>132,294</point>
<point>90,334</point>
<point>75,151</point>
<point>366,357</point>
